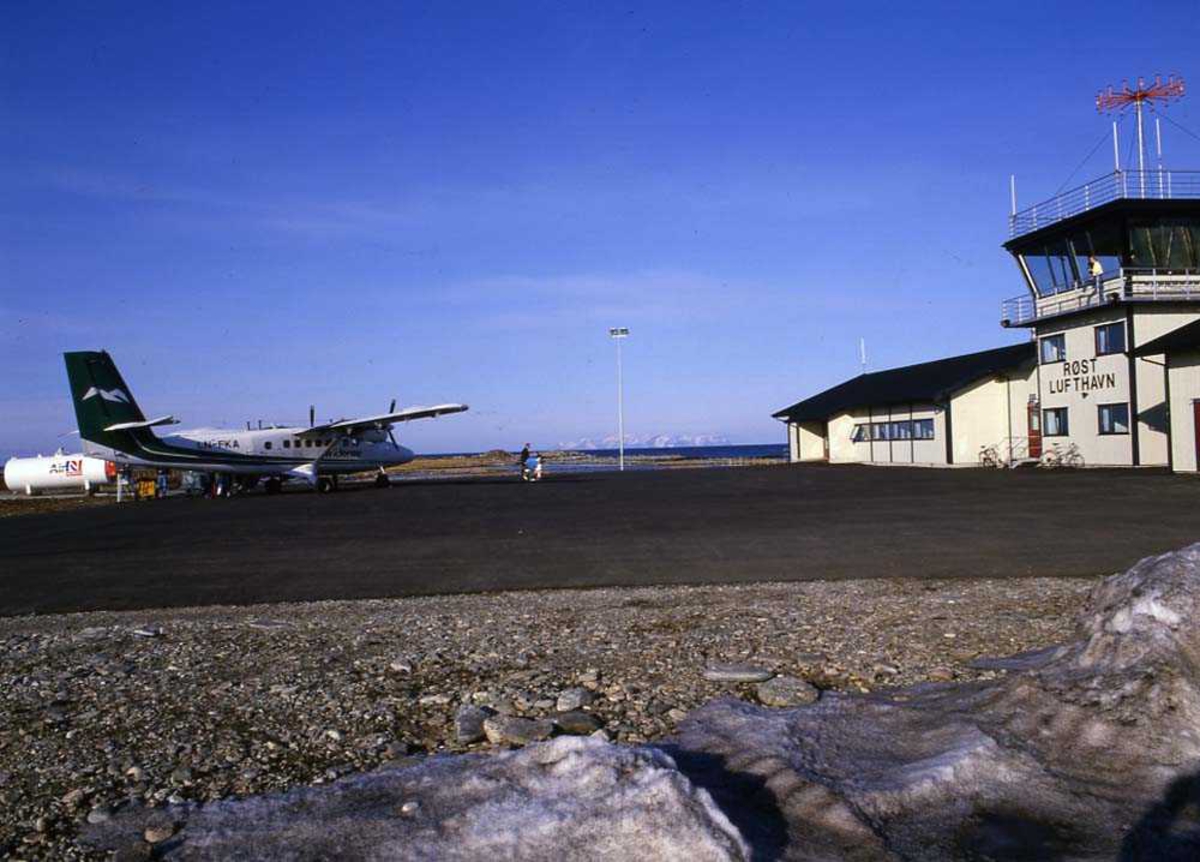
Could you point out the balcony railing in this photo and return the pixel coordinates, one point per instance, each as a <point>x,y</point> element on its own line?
<point>1128,285</point>
<point>1157,185</point>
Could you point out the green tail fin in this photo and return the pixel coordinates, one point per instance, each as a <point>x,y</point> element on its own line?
<point>101,397</point>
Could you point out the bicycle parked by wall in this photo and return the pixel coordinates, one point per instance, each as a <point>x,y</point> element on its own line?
<point>1060,455</point>
<point>989,456</point>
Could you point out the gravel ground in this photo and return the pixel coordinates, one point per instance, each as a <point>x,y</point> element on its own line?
<point>100,709</point>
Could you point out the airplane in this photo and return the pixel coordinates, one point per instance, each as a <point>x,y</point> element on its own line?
<point>113,427</point>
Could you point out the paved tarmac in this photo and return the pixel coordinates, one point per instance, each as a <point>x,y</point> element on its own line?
<point>600,529</point>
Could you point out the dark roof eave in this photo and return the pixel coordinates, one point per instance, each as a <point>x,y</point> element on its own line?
<point>1186,337</point>
<point>1126,206</point>
<point>923,383</point>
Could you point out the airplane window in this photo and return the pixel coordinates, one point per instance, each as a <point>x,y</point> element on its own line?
<point>287,444</point>
<point>267,445</point>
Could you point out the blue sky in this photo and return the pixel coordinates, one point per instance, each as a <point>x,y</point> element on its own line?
<point>259,206</point>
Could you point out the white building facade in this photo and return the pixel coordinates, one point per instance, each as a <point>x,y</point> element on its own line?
<point>1102,284</point>
<point>940,413</point>
<point>1110,375</point>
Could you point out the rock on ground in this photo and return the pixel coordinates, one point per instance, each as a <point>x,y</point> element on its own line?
<point>567,799</point>
<point>1090,750</point>
<point>786,691</point>
<point>1086,751</point>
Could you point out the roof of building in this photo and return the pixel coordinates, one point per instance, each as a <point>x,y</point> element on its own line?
<point>1186,337</point>
<point>912,384</point>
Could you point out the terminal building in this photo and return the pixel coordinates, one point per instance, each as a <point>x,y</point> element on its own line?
<point>1110,375</point>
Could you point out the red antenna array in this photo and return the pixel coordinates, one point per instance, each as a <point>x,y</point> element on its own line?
<point>1148,93</point>
<point>1152,94</point>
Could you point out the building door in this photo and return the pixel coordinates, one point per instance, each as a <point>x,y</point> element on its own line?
<point>1196,430</point>
<point>1035,431</point>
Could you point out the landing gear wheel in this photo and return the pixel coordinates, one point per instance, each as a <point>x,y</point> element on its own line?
<point>274,486</point>
<point>326,484</point>
<point>382,481</point>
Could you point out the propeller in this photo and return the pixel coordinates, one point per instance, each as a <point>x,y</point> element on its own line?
<point>312,415</point>
<point>392,436</point>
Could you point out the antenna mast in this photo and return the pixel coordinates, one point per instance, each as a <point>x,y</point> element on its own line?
<point>1154,93</point>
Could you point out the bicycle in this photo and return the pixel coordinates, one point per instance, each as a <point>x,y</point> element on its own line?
<point>989,456</point>
<point>1061,456</point>
<point>1072,457</point>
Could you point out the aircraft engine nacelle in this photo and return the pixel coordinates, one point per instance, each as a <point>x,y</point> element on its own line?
<point>58,473</point>
<point>373,435</point>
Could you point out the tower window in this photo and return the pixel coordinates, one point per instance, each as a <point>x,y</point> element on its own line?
<point>1054,422</point>
<point>1110,339</point>
<point>1114,418</point>
<point>1054,348</point>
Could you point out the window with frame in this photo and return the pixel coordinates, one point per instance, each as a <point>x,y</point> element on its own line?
<point>860,434</point>
<point>922,429</point>
<point>1053,348</point>
<point>1110,339</point>
<point>1052,268</point>
<point>1054,422</point>
<point>902,430</point>
<point>881,431</point>
<point>1113,418</point>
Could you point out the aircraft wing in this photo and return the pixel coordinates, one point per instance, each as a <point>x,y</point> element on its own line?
<point>406,415</point>
<point>148,423</point>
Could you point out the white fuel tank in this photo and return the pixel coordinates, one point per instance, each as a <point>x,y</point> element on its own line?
<point>58,472</point>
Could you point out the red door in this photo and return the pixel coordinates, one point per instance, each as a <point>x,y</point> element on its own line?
<point>1035,431</point>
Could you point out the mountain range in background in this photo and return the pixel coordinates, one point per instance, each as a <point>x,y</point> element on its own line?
<point>656,441</point>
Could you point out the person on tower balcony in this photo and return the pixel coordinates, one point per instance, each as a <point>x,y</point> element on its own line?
<point>1095,270</point>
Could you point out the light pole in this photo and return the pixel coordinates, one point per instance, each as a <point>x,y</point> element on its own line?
<point>616,333</point>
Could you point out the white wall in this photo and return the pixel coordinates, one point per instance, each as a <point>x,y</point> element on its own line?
<point>843,450</point>
<point>811,441</point>
<point>1185,391</point>
<point>1084,382</point>
<point>1151,321</point>
<point>993,413</point>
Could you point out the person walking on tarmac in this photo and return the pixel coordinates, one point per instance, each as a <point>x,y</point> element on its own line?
<point>524,462</point>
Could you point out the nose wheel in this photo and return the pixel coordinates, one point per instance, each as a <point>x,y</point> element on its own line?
<point>326,484</point>
<point>382,480</point>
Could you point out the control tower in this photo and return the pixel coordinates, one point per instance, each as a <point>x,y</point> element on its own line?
<point>1108,266</point>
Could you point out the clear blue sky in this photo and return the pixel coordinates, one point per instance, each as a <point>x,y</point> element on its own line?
<point>257,206</point>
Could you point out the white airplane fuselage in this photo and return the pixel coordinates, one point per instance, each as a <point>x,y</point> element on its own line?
<point>269,451</point>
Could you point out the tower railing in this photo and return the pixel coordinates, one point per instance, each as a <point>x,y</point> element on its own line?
<point>1118,185</point>
<point>1129,284</point>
